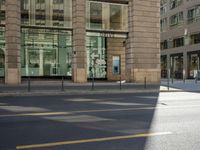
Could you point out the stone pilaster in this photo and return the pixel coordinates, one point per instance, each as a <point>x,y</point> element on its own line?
<point>79,63</point>
<point>143,43</point>
<point>12,39</point>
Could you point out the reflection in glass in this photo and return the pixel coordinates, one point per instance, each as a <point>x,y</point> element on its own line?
<point>107,16</point>
<point>96,57</point>
<point>46,13</point>
<point>46,52</point>
<point>96,15</point>
<point>115,17</point>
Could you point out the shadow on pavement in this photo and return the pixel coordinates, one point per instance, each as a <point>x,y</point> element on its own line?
<point>77,122</point>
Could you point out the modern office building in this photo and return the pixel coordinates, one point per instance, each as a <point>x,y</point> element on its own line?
<point>82,39</point>
<point>180,38</point>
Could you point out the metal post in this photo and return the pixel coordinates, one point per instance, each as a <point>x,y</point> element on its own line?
<point>62,85</point>
<point>196,78</point>
<point>173,77</point>
<point>92,81</point>
<point>120,82</point>
<point>184,76</point>
<point>29,84</point>
<point>145,82</point>
<point>168,79</point>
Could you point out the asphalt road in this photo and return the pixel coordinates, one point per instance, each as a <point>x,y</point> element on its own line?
<point>139,121</point>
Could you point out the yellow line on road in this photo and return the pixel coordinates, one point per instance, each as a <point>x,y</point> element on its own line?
<point>91,140</point>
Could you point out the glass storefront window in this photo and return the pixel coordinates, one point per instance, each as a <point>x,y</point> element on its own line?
<point>96,56</point>
<point>194,64</point>
<point>57,13</point>
<point>107,16</point>
<point>164,66</point>
<point>2,51</point>
<point>195,38</point>
<point>177,66</point>
<point>46,52</point>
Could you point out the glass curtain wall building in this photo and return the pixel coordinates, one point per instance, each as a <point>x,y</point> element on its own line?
<point>59,36</point>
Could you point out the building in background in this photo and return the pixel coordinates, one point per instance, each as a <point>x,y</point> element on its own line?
<point>180,38</point>
<point>82,39</point>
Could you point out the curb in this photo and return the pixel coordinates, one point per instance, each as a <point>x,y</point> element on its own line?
<point>76,92</point>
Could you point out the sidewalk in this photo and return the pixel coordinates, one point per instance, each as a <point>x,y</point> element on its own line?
<point>187,85</point>
<point>53,87</point>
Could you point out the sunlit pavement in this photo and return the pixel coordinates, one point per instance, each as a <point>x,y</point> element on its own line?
<point>134,121</point>
<point>179,114</point>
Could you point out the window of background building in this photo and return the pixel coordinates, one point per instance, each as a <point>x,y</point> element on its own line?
<point>163,24</point>
<point>195,38</point>
<point>163,7</point>
<point>164,45</point>
<point>178,42</point>
<point>193,14</point>
<point>175,3</point>
<point>176,19</point>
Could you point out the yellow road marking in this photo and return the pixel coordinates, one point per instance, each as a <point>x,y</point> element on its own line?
<point>91,140</point>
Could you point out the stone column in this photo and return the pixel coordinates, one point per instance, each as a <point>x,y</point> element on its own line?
<point>143,43</point>
<point>13,44</point>
<point>79,61</point>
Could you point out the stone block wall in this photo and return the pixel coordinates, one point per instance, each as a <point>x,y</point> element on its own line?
<point>143,43</point>
<point>13,42</point>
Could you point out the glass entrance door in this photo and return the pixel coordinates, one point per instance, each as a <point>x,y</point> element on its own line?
<point>96,57</point>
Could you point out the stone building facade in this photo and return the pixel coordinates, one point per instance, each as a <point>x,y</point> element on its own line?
<point>82,39</point>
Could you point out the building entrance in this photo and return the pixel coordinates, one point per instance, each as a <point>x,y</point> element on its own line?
<point>177,66</point>
<point>193,64</point>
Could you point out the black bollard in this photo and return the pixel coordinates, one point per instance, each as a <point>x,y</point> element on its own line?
<point>62,85</point>
<point>120,83</point>
<point>145,82</point>
<point>29,84</point>
<point>92,81</point>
